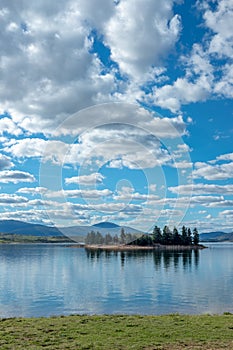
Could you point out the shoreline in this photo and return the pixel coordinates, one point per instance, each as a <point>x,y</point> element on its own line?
<point>124,247</point>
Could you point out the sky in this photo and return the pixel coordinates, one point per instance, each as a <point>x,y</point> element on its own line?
<point>117,110</point>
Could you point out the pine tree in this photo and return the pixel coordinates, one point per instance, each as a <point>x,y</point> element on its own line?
<point>122,236</point>
<point>176,239</point>
<point>189,237</point>
<point>184,235</point>
<point>90,238</point>
<point>195,237</point>
<point>167,235</point>
<point>108,239</point>
<point>157,235</point>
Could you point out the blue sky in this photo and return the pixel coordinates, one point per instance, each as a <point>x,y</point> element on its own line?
<point>117,111</point>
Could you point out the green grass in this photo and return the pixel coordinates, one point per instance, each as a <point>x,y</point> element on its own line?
<point>118,332</point>
<point>13,238</point>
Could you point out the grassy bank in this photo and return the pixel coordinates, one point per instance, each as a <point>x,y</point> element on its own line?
<point>118,332</point>
<point>10,238</point>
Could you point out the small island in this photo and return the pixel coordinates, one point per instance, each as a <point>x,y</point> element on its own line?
<point>157,240</point>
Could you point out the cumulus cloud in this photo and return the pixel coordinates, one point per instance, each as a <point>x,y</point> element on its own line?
<point>181,92</point>
<point>133,147</point>
<point>227,213</point>
<point>115,132</point>
<point>33,190</point>
<point>227,156</point>
<point>5,162</point>
<point>15,176</point>
<point>85,194</point>
<point>127,195</point>
<point>8,126</point>
<point>196,85</point>
<point>138,37</point>
<point>36,46</point>
<point>9,199</point>
<point>213,172</point>
<point>219,20</point>
<point>86,180</point>
<point>43,94</point>
<point>140,34</point>
<point>202,189</point>
<point>37,148</point>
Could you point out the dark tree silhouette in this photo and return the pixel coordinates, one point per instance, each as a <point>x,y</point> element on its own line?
<point>157,235</point>
<point>195,236</point>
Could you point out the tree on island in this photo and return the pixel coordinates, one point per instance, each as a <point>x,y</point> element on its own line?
<point>99,239</point>
<point>168,237</point>
<point>189,237</point>
<point>184,235</point>
<point>176,237</point>
<point>165,237</point>
<point>122,236</point>
<point>157,235</point>
<point>195,237</point>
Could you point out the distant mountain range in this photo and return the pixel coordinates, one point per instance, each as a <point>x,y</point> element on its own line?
<point>27,229</point>
<point>217,236</point>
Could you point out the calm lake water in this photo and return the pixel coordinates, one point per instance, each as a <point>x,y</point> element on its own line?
<point>47,279</point>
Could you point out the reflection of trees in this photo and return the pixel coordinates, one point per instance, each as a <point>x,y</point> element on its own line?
<point>161,258</point>
<point>196,257</point>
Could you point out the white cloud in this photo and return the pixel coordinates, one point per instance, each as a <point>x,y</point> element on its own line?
<point>227,156</point>
<point>227,213</point>
<point>140,34</point>
<point>181,92</point>
<point>15,176</point>
<point>202,189</point>
<point>133,147</point>
<point>127,195</point>
<point>44,94</point>
<point>52,84</point>
<point>213,172</point>
<point>222,204</point>
<point>9,199</point>
<point>85,194</point>
<point>33,190</point>
<point>5,162</point>
<point>189,202</point>
<point>86,180</point>
<point>196,84</point>
<point>35,148</point>
<point>152,187</point>
<point>8,126</point>
<point>60,75</point>
<point>219,21</point>
<point>224,87</point>
<point>122,134</point>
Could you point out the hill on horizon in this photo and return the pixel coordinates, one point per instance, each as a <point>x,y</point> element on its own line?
<point>23,228</point>
<point>106,224</point>
<point>216,236</point>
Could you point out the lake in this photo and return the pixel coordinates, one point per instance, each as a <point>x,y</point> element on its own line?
<point>56,279</point>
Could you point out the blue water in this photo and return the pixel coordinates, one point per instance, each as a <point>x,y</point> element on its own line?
<point>53,279</point>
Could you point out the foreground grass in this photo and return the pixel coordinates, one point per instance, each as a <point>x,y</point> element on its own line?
<point>118,332</point>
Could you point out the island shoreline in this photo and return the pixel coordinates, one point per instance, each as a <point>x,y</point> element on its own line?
<point>124,247</point>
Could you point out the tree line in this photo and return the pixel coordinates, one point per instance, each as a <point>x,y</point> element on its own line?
<point>97,238</point>
<point>165,237</point>
<point>168,237</point>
